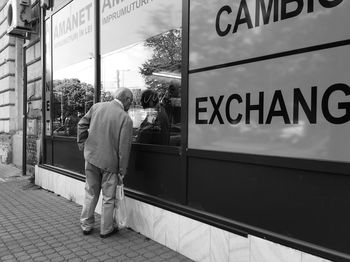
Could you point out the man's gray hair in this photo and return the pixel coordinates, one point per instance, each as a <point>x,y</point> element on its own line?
<point>123,93</point>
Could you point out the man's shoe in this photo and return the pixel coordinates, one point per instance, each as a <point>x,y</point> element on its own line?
<point>115,230</point>
<point>87,232</point>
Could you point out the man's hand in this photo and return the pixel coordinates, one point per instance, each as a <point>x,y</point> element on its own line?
<point>120,178</point>
<point>81,146</point>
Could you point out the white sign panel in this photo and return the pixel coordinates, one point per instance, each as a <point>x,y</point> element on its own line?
<point>125,22</point>
<point>73,36</point>
<point>225,31</point>
<point>295,106</point>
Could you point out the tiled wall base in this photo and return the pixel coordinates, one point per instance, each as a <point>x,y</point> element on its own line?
<point>189,237</point>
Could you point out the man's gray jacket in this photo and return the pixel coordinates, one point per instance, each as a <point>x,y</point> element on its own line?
<point>106,132</point>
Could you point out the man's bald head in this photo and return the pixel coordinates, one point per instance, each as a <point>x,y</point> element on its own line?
<point>125,96</point>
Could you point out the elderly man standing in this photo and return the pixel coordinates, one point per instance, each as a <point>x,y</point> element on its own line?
<point>105,134</point>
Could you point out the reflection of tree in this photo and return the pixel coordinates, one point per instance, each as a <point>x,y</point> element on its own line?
<point>166,58</point>
<point>137,96</point>
<point>106,96</point>
<point>70,97</point>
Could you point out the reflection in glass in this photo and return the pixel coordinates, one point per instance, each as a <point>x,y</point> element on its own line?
<point>73,94</point>
<point>73,65</point>
<point>152,70</point>
<point>154,128</point>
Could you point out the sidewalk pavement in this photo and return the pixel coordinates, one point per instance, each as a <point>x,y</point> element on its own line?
<point>37,225</point>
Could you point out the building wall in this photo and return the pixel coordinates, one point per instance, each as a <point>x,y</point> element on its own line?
<point>17,138</point>
<point>8,108</point>
<point>34,91</point>
<point>11,91</point>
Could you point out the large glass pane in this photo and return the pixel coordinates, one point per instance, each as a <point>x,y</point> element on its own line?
<point>73,66</point>
<point>146,59</point>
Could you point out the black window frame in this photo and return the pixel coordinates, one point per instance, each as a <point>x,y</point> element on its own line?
<point>49,141</point>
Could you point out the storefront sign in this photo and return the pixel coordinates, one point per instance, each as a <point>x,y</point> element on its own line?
<point>227,31</point>
<point>295,106</point>
<point>125,22</point>
<point>73,30</point>
<point>271,12</point>
<point>277,109</point>
<point>270,77</point>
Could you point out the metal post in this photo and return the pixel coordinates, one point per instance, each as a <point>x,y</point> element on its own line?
<point>24,114</point>
<point>97,65</point>
<point>43,85</point>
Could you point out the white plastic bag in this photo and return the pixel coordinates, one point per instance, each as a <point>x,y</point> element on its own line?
<point>120,212</point>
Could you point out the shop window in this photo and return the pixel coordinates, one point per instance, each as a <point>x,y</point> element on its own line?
<point>73,66</point>
<point>141,50</point>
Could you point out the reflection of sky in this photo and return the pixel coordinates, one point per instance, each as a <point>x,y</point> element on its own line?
<point>84,71</point>
<point>79,48</point>
<point>137,115</point>
<point>128,61</point>
<point>150,19</point>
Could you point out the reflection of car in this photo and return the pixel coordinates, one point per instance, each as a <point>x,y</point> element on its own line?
<point>65,131</point>
<point>175,135</point>
<point>61,131</point>
<point>56,124</point>
<point>175,129</point>
<point>137,114</point>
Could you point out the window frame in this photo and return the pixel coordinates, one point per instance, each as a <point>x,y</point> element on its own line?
<point>176,151</point>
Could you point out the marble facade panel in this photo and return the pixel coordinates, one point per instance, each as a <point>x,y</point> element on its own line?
<point>219,245</point>
<point>310,258</point>
<point>194,239</point>
<point>265,251</point>
<point>239,248</point>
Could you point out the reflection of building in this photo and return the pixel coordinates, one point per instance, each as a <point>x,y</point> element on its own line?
<point>256,191</point>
